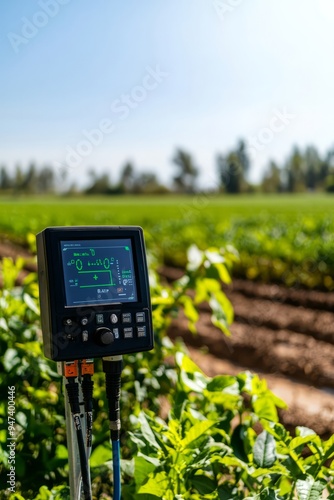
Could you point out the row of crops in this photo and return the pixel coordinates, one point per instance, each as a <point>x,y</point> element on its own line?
<point>220,438</point>
<point>283,240</point>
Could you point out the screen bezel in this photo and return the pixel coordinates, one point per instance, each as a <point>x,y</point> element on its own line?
<point>99,303</point>
<point>54,261</point>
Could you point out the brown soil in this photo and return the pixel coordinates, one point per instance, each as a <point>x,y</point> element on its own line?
<point>284,335</point>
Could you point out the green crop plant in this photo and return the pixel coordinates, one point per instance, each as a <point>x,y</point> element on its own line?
<point>218,438</point>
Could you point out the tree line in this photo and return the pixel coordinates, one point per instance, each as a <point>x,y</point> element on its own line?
<point>304,170</point>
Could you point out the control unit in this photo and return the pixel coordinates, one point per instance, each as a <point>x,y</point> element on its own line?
<point>94,291</point>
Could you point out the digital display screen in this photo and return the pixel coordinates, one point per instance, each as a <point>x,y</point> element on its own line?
<point>98,272</point>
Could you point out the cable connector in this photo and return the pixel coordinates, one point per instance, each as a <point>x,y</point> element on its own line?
<point>71,369</point>
<point>87,367</point>
<point>112,367</point>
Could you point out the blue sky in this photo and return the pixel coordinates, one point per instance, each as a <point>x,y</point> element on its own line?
<point>197,74</point>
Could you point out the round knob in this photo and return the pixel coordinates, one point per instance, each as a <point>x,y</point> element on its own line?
<point>104,336</point>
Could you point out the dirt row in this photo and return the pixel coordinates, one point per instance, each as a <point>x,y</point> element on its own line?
<point>285,335</point>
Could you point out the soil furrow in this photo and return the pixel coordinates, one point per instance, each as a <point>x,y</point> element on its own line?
<point>312,299</point>
<point>277,316</point>
<point>272,351</point>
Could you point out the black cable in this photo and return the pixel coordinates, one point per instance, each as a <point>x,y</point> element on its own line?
<point>112,368</point>
<point>72,388</point>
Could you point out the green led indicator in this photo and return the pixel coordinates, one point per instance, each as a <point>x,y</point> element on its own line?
<point>127,248</point>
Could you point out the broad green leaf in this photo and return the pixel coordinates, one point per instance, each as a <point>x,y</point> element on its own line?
<point>3,325</point>
<point>224,274</point>
<point>30,303</point>
<point>61,451</point>
<point>228,401</point>
<point>301,441</point>
<point>156,485</point>
<point>275,469</point>
<point>203,484</point>
<point>147,431</point>
<point>226,383</point>
<point>309,489</point>
<point>222,316</point>
<point>142,469</point>
<point>238,442</point>
<point>265,408</point>
<point>196,431</point>
<point>101,454</point>
<point>329,448</point>
<point>265,450</point>
<point>11,359</point>
<point>230,461</point>
<point>304,431</point>
<point>186,364</point>
<point>191,375</point>
<point>190,312</point>
<point>285,486</point>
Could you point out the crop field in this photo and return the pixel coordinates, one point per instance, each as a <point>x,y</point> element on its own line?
<point>243,286</point>
<point>284,239</point>
<point>17,214</point>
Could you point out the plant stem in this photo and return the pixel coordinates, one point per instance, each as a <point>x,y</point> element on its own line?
<point>293,489</point>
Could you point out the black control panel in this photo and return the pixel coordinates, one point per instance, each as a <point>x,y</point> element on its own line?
<point>94,291</point>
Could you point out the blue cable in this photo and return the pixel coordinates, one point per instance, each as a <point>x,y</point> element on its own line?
<point>116,459</point>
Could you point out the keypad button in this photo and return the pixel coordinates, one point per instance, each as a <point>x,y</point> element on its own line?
<point>128,333</point>
<point>140,317</point>
<point>68,322</point>
<point>84,336</point>
<point>84,321</point>
<point>99,318</point>
<point>141,331</point>
<point>126,318</point>
<point>113,318</point>
<point>116,333</point>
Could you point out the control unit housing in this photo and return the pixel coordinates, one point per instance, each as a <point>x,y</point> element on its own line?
<point>94,291</point>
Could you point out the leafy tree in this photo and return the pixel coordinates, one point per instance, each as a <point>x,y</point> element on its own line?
<point>272,182</point>
<point>19,177</point>
<point>5,179</point>
<point>312,168</point>
<point>147,182</point>
<point>100,184</point>
<point>233,169</point>
<point>29,184</point>
<point>185,179</point>
<point>295,172</point>
<point>327,170</point>
<point>127,177</point>
<point>46,180</point>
